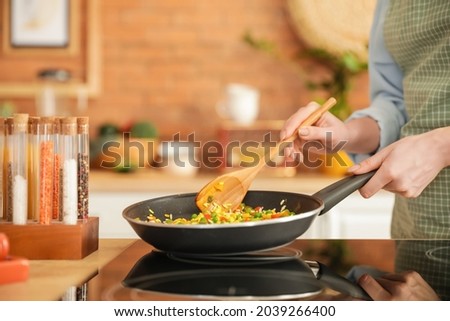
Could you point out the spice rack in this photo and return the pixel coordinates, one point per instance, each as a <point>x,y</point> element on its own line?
<point>56,241</point>
<point>47,218</point>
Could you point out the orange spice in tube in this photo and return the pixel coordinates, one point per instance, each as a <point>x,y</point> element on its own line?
<point>46,169</point>
<point>57,172</point>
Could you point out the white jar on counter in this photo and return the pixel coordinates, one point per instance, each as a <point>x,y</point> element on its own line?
<point>179,158</point>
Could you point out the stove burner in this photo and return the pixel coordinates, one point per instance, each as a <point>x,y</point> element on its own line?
<point>440,254</point>
<point>253,258</point>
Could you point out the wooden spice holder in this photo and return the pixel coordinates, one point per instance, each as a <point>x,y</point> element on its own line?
<point>57,241</point>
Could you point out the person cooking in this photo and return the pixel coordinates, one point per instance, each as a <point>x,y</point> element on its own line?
<point>404,133</point>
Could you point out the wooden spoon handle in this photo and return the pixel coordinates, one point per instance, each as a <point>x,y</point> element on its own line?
<point>310,120</point>
<point>313,117</point>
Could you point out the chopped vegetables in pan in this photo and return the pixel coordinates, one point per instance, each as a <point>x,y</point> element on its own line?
<point>222,215</point>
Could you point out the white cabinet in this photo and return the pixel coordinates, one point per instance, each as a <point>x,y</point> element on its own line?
<point>356,218</point>
<point>108,206</point>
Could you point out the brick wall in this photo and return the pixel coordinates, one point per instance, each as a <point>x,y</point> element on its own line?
<point>167,61</point>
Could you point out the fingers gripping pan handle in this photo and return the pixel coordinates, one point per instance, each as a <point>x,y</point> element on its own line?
<point>336,192</point>
<point>338,283</point>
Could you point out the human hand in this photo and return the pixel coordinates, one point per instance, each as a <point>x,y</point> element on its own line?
<point>405,286</point>
<point>405,167</point>
<point>329,134</point>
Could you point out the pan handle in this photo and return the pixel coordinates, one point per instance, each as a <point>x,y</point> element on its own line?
<point>336,192</point>
<point>337,282</point>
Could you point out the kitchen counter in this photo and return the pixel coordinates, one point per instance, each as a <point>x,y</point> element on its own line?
<point>158,181</point>
<point>106,268</point>
<point>339,256</point>
<point>49,279</point>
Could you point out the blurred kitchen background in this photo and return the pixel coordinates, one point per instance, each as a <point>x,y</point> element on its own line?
<point>169,61</point>
<point>160,68</point>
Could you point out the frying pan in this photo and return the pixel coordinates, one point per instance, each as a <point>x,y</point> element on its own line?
<point>243,237</point>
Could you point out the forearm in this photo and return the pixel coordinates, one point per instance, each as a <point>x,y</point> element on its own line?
<point>364,136</point>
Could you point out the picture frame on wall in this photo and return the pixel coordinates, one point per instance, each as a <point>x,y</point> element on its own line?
<point>79,50</point>
<point>39,23</point>
<point>41,27</point>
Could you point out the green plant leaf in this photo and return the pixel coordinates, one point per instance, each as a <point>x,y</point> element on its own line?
<point>352,63</point>
<point>144,129</point>
<point>260,44</point>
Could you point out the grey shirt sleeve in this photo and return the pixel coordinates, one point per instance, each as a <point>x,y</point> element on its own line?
<point>386,88</point>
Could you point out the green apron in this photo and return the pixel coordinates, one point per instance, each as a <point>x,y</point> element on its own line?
<point>417,34</point>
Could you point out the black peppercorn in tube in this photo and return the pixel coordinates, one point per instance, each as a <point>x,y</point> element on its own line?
<point>7,168</point>
<point>83,167</point>
<point>2,149</point>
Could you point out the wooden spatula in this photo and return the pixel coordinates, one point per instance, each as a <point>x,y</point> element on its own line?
<point>228,190</point>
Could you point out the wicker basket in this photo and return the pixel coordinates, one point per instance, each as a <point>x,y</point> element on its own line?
<point>337,26</point>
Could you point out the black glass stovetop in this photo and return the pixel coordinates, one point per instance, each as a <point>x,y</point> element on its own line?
<point>291,272</point>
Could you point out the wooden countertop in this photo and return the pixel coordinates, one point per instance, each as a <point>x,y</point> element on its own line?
<point>153,180</point>
<point>49,279</point>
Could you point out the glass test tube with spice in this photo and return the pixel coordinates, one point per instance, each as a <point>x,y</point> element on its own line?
<point>2,148</point>
<point>19,168</point>
<point>57,172</point>
<point>33,168</point>
<point>83,167</point>
<point>69,182</point>
<point>7,171</point>
<point>46,169</point>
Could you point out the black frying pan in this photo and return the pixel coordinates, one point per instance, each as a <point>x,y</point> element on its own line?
<point>220,239</point>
